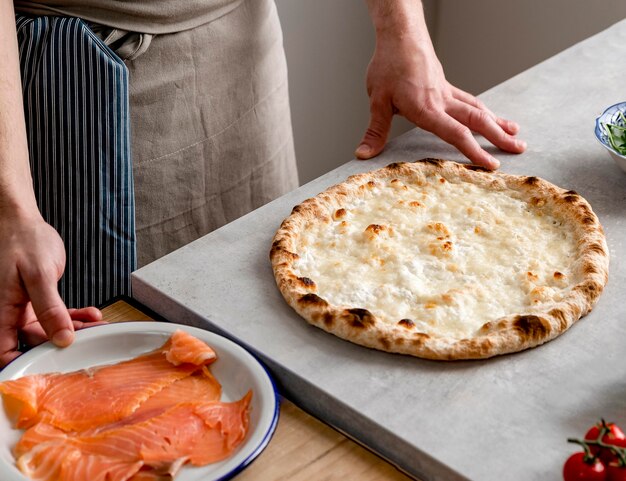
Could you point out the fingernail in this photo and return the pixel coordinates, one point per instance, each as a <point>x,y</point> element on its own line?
<point>363,150</point>
<point>495,163</point>
<point>520,144</point>
<point>63,338</point>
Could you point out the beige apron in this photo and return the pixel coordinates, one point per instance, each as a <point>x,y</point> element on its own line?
<point>210,127</point>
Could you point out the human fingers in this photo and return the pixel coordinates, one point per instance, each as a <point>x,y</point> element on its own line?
<point>86,317</point>
<point>8,356</point>
<point>8,334</point>
<point>510,127</point>
<point>10,319</point>
<point>483,123</point>
<point>41,285</point>
<point>86,314</point>
<point>375,138</point>
<point>32,333</point>
<point>456,134</point>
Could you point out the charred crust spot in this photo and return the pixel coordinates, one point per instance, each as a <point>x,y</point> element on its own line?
<point>588,220</point>
<point>339,213</point>
<point>329,319</point>
<point>291,255</point>
<point>571,196</point>
<point>360,318</point>
<point>296,209</point>
<point>595,247</point>
<point>559,315</point>
<point>442,180</point>
<point>419,339</point>
<point>589,268</point>
<point>486,327</point>
<point>407,323</point>
<point>531,276</point>
<point>375,228</point>
<point>431,161</point>
<point>384,341</point>
<point>533,327</point>
<point>312,300</point>
<point>306,281</point>
<point>589,288</point>
<point>558,275</point>
<point>395,165</point>
<point>278,249</point>
<point>438,227</point>
<point>371,183</point>
<point>532,180</point>
<point>274,250</point>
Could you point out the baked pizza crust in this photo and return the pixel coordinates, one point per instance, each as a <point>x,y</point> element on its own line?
<point>511,333</point>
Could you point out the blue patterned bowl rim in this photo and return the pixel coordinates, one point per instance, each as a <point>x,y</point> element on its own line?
<point>610,115</point>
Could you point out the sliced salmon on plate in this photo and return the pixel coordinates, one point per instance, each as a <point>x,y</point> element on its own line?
<point>140,419</point>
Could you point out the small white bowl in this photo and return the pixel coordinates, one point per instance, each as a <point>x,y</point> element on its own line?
<point>610,115</point>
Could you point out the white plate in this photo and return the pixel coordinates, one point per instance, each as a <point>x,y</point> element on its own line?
<point>236,370</point>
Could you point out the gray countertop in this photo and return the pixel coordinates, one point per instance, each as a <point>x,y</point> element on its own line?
<point>505,418</point>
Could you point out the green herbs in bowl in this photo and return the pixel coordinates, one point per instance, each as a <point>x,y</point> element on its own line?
<point>616,133</point>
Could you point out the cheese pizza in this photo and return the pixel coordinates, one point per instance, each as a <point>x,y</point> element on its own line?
<point>442,260</point>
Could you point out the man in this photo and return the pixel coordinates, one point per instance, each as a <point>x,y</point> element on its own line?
<point>222,99</point>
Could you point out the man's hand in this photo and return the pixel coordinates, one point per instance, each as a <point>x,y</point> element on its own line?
<point>32,260</point>
<point>405,77</point>
<point>32,256</point>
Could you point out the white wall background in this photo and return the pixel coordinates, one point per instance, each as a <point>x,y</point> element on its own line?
<point>483,42</point>
<point>480,43</point>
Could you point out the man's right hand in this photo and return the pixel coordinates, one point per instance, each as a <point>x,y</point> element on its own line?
<point>32,260</point>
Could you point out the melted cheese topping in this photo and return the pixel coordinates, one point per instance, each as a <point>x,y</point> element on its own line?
<point>450,257</point>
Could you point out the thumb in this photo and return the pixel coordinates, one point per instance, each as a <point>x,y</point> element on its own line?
<point>377,132</point>
<point>49,308</point>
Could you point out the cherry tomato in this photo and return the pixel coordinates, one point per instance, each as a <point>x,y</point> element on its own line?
<point>615,473</point>
<point>615,436</point>
<point>576,468</point>
<point>608,457</point>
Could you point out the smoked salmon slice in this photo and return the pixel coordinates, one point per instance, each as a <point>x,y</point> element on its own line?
<point>199,433</point>
<point>200,385</point>
<point>63,462</point>
<point>138,420</point>
<point>97,396</point>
